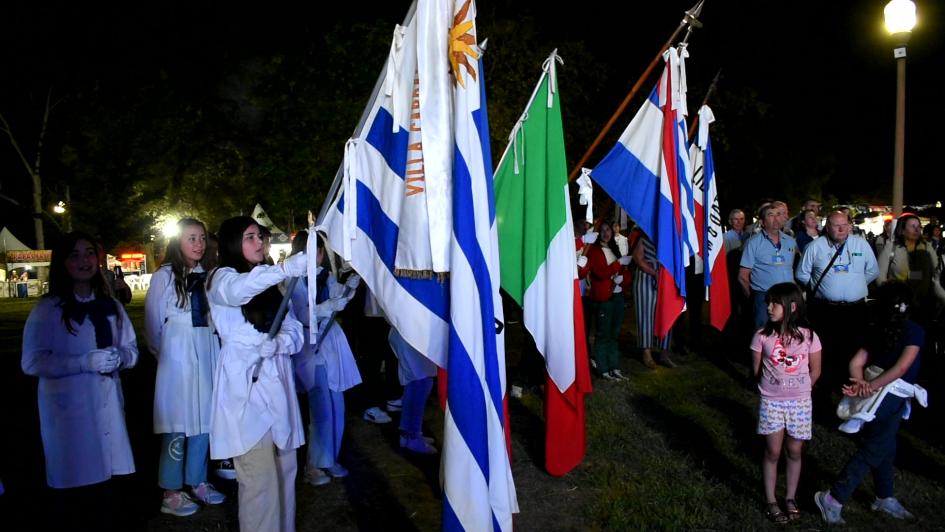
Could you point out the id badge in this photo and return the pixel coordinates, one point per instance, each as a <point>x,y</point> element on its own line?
<point>777,260</point>
<point>841,268</point>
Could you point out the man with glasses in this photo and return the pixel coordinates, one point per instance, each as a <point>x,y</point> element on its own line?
<point>836,270</point>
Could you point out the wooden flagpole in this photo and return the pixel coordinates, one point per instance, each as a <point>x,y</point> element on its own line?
<point>691,18</point>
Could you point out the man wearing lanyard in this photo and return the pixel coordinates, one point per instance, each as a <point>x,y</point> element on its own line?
<point>768,259</point>
<point>838,268</point>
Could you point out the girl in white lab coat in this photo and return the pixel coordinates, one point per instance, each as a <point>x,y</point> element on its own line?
<point>326,373</point>
<point>255,410</point>
<point>181,336</point>
<point>76,340</point>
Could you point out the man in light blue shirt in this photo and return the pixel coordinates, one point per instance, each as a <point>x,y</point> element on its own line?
<point>768,259</point>
<point>838,303</point>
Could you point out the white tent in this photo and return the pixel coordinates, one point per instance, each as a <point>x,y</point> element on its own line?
<point>8,242</point>
<point>281,242</point>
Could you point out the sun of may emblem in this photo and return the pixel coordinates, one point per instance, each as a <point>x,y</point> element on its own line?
<point>462,44</point>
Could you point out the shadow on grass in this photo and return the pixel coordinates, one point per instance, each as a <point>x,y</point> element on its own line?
<point>687,438</point>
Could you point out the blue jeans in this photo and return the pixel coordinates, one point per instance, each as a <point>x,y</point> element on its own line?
<point>415,398</point>
<point>326,413</point>
<point>183,459</point>
<point>876,451</point>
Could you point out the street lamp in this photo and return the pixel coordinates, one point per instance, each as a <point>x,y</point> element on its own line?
<point>59,208</point>
<point>900,19</point>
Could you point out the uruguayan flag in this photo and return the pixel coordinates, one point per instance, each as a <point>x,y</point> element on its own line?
<point>479,493</point>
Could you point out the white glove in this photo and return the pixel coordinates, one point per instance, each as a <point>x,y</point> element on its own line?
<point>337,304</point>
<point>589,237</point>
<point>618,289</point>
<point>268,348</point>
<point>353,282</point>
<point>625,260</point>
<point>101,360</point>
<point>618,279</point>
<point>582,261</point>
<point>296,265</point>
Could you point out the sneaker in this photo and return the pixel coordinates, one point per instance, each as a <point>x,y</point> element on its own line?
<point>315,476</point>
<point>829,508</point>
<point>178,503</point>
<point>618,375</point>
<point>207,494</point>
<point>225,470</point>
<point>892,507</point>
<point>376,415</point>
<point>416,443</point>
<point>395,405</point>
<point>336,471</point>
<point>608,377</point>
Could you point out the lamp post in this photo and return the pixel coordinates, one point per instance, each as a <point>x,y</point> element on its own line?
<point>900,19</point>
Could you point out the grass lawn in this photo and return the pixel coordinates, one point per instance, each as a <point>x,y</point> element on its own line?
<point>669,449</point>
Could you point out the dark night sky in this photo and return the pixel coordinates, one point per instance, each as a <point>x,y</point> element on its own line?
<point>823,70</point>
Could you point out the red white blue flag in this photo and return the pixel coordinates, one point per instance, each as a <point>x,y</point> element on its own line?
<point>643,174</point>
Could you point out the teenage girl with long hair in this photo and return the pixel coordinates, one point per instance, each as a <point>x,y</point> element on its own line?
<point>77,340</point>
<point>786,362</point>
<point>181,335</point>
<point>255,410</point>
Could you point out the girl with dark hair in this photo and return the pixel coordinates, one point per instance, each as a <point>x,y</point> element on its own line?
<point>893,353</point>
<point>255,410</point>
<point>76,340</point>
<point>326,372</point>
<point>786,362</point>
<point>607,269</point>
<point>181,336</point>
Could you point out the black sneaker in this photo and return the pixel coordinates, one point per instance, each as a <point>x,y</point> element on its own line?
<point>225,470</point>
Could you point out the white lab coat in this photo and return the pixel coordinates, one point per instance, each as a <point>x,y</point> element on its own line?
<point>81,414</point>
<point>244,411</point>
<point>187,357</point>
<point>334,351</point>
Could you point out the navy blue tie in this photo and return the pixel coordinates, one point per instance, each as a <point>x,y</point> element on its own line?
<point>198,299</point>
<point>98,311</point>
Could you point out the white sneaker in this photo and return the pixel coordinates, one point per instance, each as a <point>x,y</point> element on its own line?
<point>829,509</point>
<point>395,405</point>
<point>619,376</point>
<point>376,415</point>
<point>892,507</point>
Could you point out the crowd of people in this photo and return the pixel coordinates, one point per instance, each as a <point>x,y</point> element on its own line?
<point>820,309</point>
<point>229,371</point>
<point>823,309</point>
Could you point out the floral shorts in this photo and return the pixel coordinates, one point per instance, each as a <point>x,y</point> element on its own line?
<point>792,415</point>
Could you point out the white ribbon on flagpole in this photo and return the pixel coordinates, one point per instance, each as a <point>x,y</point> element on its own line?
<point>586,193</point>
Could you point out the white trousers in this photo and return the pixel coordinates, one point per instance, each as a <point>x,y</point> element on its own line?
<point>266,476</point>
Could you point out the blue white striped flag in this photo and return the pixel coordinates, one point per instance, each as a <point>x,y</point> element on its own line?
<point>479,493</point>
<point>366,224</point>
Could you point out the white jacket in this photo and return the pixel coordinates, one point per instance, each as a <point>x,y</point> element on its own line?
<point>859,410</point>
<point>81,414</point>
<point>244,411</point>
<point>187,357</point>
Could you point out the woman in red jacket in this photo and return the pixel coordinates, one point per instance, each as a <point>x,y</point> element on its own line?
<point>607,269</point>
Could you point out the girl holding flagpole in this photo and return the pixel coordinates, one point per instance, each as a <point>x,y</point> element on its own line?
<point>255,410</point>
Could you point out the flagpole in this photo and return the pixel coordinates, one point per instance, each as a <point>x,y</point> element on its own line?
<point>333,190</point>
<point>708,94</point>
<point>691,18</point>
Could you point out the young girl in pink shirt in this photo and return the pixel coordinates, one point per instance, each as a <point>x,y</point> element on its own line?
<point>786,362</point>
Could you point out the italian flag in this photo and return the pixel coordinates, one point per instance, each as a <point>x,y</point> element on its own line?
<point>538,269</point>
